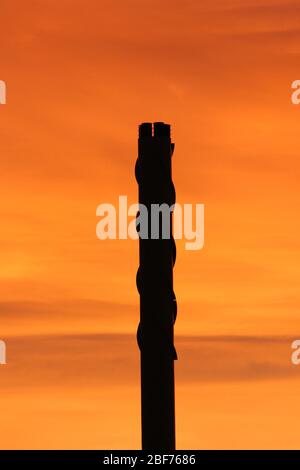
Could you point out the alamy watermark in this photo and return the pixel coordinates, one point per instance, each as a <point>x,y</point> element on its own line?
<point>160,221</point>
<point>2,92</point>
<point>2,352</point>
<point>295,357</point>
<point>296,94</point>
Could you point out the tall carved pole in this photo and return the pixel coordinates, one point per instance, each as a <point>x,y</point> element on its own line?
<point>155,285</point>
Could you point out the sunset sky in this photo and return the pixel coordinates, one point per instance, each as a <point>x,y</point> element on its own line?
<point>80,76</point>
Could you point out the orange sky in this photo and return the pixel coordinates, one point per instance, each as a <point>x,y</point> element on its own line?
<point>80,78</point>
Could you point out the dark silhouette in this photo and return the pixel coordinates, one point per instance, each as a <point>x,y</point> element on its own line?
<point>155,285</point>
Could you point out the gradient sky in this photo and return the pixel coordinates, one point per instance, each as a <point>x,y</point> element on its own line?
<point>80,78</point>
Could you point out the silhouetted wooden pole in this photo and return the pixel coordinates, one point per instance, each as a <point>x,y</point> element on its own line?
<point>155,286</point>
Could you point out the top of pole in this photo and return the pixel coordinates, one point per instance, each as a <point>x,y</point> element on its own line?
<point>145,130</point>
<point>161,129</point>
<point>158,129</point>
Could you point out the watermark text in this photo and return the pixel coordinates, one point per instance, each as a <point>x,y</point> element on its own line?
<point>2,92</point>
<point>160,221</point>
<point>296,94</point>
<point>2,352</point>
